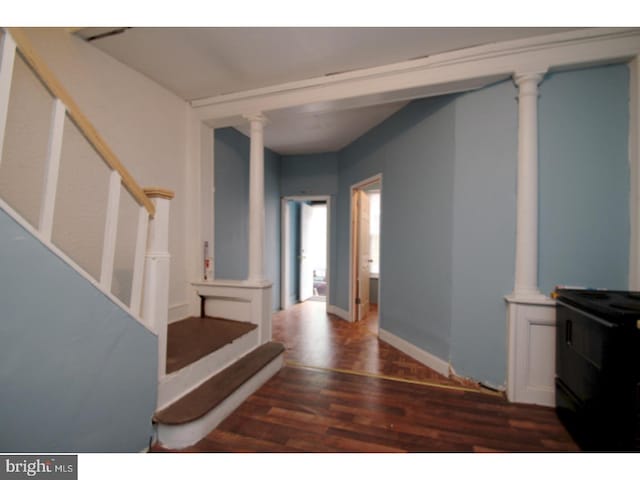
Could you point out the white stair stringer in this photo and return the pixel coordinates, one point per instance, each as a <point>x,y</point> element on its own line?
<point>20,220</point>
<point>179,383</point>
<point>187,434</point>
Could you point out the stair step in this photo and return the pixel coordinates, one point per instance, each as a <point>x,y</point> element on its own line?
<point>214,391</point>
<point>193,338</point>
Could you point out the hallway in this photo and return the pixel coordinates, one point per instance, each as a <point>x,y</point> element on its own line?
<point>339,391</point>
<point>314,338</point>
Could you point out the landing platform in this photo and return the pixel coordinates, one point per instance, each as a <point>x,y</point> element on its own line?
<point>193,338</point>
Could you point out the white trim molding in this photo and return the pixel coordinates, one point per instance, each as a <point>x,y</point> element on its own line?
<point>422,356</point>
<point>374,179</point>
<point>69,261</point>
<point>460,70</point>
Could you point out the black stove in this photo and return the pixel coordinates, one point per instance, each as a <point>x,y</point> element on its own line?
<point>611,305</point>
<point>598,367</point>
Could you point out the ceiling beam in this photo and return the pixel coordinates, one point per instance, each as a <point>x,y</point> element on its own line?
<point>460,70</point>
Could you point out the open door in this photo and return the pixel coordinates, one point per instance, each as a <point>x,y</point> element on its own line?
<point>364,256</point>
<point>306,244</point>
<point>361,245</point>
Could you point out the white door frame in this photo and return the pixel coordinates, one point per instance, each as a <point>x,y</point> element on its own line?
<point>352,273</point>
<point>285,281</point>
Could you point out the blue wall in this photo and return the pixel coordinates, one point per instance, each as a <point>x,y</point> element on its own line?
<point>584,178</point>
<point>78,374</point>
<point>414,150</point>
<point>484,213</point>
<point>309,174</point>
<point>272,223</point>
<point>448,208</point>
<point>231,179</point>
<point>294,251</point>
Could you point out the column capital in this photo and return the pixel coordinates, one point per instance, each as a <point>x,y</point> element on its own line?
<point>256,117</point>
<point>523,79</point>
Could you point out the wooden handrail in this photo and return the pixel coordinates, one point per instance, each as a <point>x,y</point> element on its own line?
<point>56,89</point>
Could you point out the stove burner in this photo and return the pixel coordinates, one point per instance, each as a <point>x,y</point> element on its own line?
<point>633,295</point>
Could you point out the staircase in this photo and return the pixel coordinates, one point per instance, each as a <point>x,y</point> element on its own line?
<point>215,361</point>
<point>228,356</point>
<point>206,365</point>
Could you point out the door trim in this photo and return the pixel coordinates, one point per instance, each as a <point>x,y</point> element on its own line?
<point>352,271</point>
<point>285,281</point>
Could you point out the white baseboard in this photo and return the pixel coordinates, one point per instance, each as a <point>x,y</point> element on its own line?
<point>178,312</point>
<point>338,312</point>
<point>422,356</point>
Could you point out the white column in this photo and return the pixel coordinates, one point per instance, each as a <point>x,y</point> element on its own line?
<point>526,270</point>
<point>155,303</point>
<point>530,314</point>
<point>256,199</point>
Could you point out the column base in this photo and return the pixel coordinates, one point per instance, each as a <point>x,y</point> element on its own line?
<point>529,297</point>
<point>531,327</point>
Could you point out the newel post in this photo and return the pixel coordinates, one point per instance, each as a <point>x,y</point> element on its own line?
<point>155,303</point>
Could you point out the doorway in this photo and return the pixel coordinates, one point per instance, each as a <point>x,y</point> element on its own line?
<point>365,247</point>
<point>305,249</point>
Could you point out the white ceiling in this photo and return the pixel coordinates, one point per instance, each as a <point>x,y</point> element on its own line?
<point>197,63</point>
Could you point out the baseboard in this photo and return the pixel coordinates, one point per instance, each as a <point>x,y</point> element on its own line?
<point>422,356</point>
<point>338,312</point>
<point>178,312</point>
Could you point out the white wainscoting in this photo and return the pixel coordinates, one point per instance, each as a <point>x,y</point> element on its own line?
<point>242,300</point>
<point>532,352</point>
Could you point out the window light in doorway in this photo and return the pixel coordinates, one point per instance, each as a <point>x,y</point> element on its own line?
<point>374,231</point>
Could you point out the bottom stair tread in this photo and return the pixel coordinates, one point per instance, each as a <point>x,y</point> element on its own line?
<point>215,390</point>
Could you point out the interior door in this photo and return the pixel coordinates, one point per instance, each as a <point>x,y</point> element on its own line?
<point>364,254</point>
<point>306,268</point>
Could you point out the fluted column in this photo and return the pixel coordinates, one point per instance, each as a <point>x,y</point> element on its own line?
<point>256,198</point>
<point>526,269</point>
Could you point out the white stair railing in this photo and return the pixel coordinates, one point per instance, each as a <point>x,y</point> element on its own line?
<point>155,301</point>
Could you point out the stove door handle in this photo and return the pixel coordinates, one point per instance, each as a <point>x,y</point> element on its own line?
<point>568,334</point>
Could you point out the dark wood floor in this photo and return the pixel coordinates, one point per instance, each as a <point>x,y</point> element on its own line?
<point>306,410</point>
<point>319,410</point>
<point>314,338</point>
